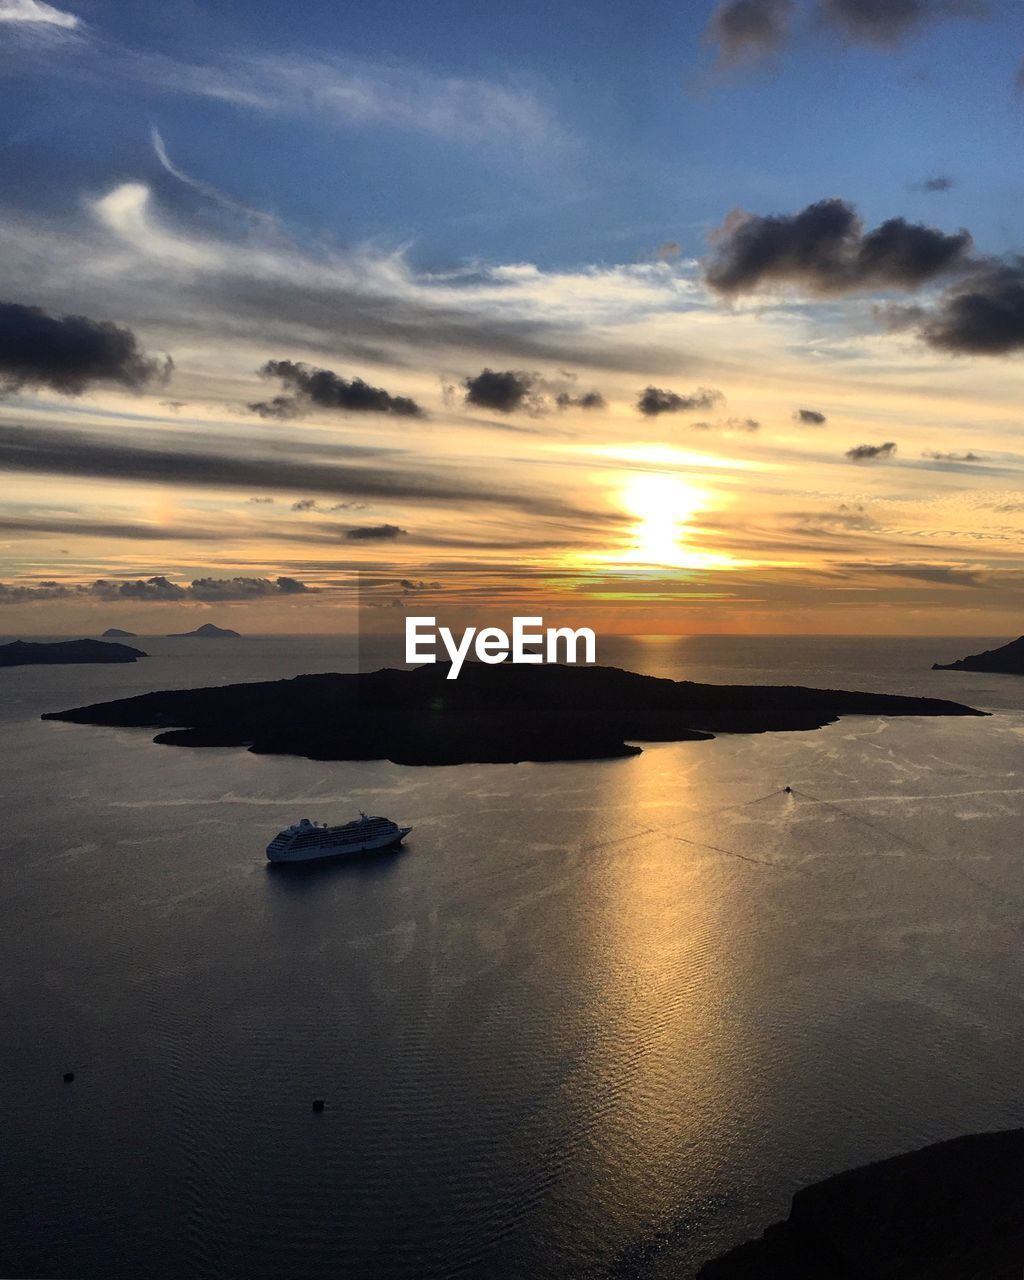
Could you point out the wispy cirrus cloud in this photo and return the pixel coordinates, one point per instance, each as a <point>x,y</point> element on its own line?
<point>508,117</point>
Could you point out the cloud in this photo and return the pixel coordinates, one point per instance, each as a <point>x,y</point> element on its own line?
<point>669,250</point>
<point>55,451</point>
<point>749,29</point>
<point>311,504</point>
<point>504,391</point>
<point>68,353</point>
<point>728,425</point>
<point>846,518</point>
<point>654,400</point>
<point>242,588</point>
<point>157,589</point>
<point>952,457</point>
<point>939,183</point>
<point>587,400</point>
<point>32,524</point>
<point>886,23</point>
<point>36,12</point>
<point>375,533</point>
<point>866,452</point>
<point>264,501</point>
<point>984,315</point>
<point>824,249</point>
<point>206,189</point>
<point>502,119</point>
<point>409,587</point>
<point>361,304</point>
<point>939,574</point>
<point>325,389</point>
<point>810,417</point>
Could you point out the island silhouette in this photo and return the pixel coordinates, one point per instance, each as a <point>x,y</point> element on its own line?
<point>115,633</point>
<point>951,1211</point>
<point>24,653</point>
<point>206,632</point>
<point>491,714</point>
<point>1008,659</point>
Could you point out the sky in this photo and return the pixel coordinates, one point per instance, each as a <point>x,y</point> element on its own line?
<point>660,318</point>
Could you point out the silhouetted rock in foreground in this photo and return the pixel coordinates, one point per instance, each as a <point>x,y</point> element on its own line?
<point>1006,660</point>
<point>206,632</point>
<point>953,1211</point>
<point>23,653</point>
<point>497,714</point>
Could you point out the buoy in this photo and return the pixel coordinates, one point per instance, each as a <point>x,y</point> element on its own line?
<point>318,1104</point>
<point>68,1077</point>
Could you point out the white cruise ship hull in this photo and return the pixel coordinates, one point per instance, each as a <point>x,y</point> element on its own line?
<point>350,848</point>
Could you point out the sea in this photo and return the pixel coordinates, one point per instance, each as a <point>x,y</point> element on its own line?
<point>597,1020</point>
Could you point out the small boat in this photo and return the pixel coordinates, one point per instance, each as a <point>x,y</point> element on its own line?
<point>307,841</point>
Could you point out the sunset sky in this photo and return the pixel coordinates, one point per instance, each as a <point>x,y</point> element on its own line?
<point>670,318</point>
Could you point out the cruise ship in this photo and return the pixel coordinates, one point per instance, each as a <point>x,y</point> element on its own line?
<point>306,841</point>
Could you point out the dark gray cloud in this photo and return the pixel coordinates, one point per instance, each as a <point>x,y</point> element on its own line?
<point>939,183</point>
<point>374,533</point>
<point>867,452</point>
<point>54,451</point>
<point>410,587</point>
<point>311,504</point>
<point>502,390</point>
<point>982,316</point>
<point>748,29</point>
<point>106,528</point>
<point>952,457</point>
<point>810,417</point>
<point>887,22</point>
<point>846,518</point>
<point>69,353</point>
<point>586,400</point>
<point>825,250</point>
<point>311,387</point>
<point>157,589</point>
<point>728,424</point>
<point>939,574</point>
<point>242,588</point>
<point>654,400</point>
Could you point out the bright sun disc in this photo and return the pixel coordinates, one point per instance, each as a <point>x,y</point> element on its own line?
<point>663,505</point>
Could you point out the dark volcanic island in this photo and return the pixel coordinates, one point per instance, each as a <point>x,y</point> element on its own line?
<point>491,714</point>
<point>208,631</point>
<point>953,1211</point>
<point>25,653</point>
<point>1008,659</point>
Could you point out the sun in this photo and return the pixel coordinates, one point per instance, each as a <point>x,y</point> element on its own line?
<point>664,506</point>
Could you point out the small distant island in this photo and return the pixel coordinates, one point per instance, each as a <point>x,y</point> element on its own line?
<point>1008,659</point>
<point>115,633</point>
<point>26,653</point>
<point>206,632</point>
<point>946,1212</point>
<point>491,714</point>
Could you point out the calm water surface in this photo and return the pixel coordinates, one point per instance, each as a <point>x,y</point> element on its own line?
<point>598,1020</point>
